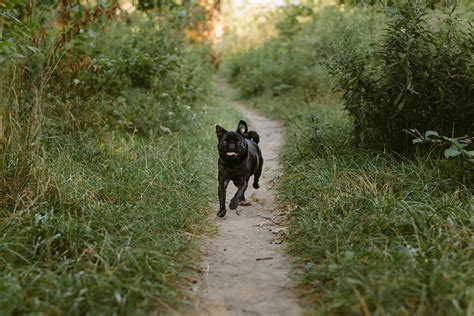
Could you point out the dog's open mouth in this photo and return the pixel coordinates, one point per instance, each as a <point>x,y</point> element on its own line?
<point>231,153</point>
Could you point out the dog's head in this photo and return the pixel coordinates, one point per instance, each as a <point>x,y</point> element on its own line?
<point>232,145</point>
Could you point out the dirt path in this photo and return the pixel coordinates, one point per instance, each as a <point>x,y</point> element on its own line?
<point>245,270</point>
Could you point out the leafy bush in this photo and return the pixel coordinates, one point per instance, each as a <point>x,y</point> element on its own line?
<point>295,61</point>
<point>419,77</point>
<point>452,146</point>
<point>130,59</point>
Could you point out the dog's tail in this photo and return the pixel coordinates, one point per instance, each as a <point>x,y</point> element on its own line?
<point>253,136</point>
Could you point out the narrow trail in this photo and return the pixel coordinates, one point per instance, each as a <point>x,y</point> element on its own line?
<point>245,270</point>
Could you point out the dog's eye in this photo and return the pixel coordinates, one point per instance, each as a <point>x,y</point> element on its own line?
<point>240,143</point>
<point>223,143</point>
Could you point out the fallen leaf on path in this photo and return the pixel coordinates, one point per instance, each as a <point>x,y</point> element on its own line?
<point>265,223</point>
<point>271,219</point>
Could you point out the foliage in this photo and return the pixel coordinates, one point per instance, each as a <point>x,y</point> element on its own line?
<point>415,74</point>
<point>296,60</point>
<point>375,233</point>
<point>432,3</point>
<point>453,146</point>
<point>112,229</point>
<point>245,28</point>
<point>105,162</point>
<point>289,22</point>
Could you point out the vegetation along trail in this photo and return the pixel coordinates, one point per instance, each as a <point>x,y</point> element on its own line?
<point>245,270</point>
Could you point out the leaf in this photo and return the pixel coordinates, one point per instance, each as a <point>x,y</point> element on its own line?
<point>469,153</point>
<point>401,105</point>
<point>397,102</point>
<point>417,141</point>
<point>451,152</point>
<point>431,134</point>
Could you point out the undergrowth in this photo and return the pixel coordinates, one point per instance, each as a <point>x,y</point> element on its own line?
<point>374,232</point>
<point>107,160</point>
<point>114,229</point>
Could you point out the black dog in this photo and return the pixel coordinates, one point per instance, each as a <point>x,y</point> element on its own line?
<point>239,158</point>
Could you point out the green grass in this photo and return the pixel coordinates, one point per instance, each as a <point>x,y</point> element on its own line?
<point>107,170</point>
<point>116,230</point>
<point>374,233</point>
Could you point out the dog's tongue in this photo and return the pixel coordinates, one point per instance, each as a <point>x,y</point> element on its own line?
<point>231,153</point>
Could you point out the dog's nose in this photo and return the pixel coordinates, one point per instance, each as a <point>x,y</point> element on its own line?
<point>231,146</point>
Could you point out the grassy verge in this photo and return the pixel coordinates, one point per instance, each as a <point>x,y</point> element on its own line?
<point>375,233</point>
<point>115,232</point>
<point>106,168</point>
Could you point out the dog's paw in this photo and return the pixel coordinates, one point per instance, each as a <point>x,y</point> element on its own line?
<point>255,185</point>
<point>221,213</point>
<point>233,204</point>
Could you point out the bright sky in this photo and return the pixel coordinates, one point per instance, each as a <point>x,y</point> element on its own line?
<point>241,6</point>
<point>239,3</point>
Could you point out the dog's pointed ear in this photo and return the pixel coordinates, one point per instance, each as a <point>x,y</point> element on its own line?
<point>242,127</point>
<point>220,131</point>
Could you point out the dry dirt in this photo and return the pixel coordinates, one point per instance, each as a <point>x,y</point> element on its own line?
<point>245,270</point>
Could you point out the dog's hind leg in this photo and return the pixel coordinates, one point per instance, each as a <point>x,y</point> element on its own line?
<point>243,201</point>
<point>258,173</point>
<point>242,196</point>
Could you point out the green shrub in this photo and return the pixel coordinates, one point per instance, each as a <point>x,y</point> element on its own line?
<point>295,61</point>
<point>420,76</point>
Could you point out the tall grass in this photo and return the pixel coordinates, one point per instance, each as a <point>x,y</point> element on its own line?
<point>106,170</point>
<point>114,231</point>
<point>374,232</point>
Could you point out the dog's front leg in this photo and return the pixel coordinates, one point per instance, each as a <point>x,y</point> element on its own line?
<point>222,188</point>
<point>238,196</point>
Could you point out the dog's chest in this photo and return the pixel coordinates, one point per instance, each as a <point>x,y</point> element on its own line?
<point>235,171</point>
